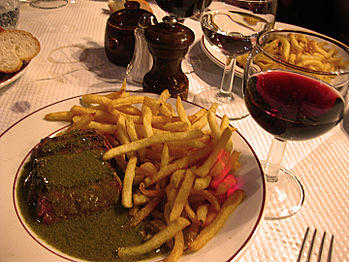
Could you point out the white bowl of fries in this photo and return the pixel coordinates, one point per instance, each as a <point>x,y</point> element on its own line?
<point>309,52</point>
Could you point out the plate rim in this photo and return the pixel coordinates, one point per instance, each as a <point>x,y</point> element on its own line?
<point>233,256</point>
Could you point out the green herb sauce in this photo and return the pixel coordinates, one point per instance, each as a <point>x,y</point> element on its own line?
<point>89,237</point>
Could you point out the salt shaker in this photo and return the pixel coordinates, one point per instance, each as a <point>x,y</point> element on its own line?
<point>9,12</point>
<point>142,60</point>
<point>168,43</point>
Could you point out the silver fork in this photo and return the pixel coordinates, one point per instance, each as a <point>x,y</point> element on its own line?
<point>329,256</point>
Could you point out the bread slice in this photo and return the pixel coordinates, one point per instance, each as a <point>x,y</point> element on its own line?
<point>16,46</point>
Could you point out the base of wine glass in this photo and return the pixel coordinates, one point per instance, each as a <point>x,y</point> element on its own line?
<point>48,4</point>
<point>231,105</point>
<point>285,197</point>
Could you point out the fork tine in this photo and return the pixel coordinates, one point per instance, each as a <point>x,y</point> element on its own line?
<point>303,245</point>
<point>321,246</point>
<point>329,257</point>
<point>312,245</point>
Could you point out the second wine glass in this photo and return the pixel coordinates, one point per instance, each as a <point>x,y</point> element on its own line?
<point>232,27</point>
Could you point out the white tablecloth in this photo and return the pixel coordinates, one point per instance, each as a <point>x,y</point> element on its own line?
<point>72,62</point>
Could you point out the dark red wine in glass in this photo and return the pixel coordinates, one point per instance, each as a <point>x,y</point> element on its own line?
<point>293,106</point>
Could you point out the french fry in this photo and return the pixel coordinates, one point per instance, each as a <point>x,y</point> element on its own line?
<point>140,199</point>
<point>200,123</point>
<point>147,169</point>
<point>126,194</point>
<point>101,127</point>
<point>204,169</point>
<point>181,111</point>
<point>177,177</point>
<point>222,165</point>
<point>228,182</point>
<point>82,121</point>
<point>59,116</point>
<point>96,99</point>
<point>178,248</point>
<point>199,114</point>
<point>145,142</point>
<point>121,132</point>
<point>205,194</point>
<point>211,215</point>
<point>150,192</point>
<point>191,213</point>
<point>130,100</point>
<point>212,229</point>
<point>212,121</point>
<point>202,183</point>
<point>131,129</point>
<point>165,156</point>
<point>182,163</point>
<point>202,212</point>
<point>171,194</point>
<point>176,126</point>
<point>129,110</point>
<point>153,104</point>
<point>132,211</point>
<point>164,95</point>
<point>156,241</point>
<point>224,123</point>
<point>147,116</point>
<point>143,213</point>
<point>190,144</point>
<point>104,117</point>
<point>80,110</point>
<point>165,110</point>
<point>191,232</point>
<point>119,93</point>
<point>182,195</point>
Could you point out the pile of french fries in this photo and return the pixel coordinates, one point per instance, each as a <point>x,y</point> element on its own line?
<point>301,51</point>
<point>179,174</point>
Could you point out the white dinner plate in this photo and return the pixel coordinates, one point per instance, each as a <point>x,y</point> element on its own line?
<point>219,59</point>
<point>18,243</point>
<point>6,79</point>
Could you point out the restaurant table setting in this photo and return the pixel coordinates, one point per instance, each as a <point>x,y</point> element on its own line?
<point>74,60</point>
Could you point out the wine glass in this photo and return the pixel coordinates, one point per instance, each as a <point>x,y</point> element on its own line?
<point>180,10</point>
<point>232,27</point>
<point>48,4</point>
<point>294,100</point>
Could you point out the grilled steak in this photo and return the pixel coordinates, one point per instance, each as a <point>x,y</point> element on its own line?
<point>69,177</point>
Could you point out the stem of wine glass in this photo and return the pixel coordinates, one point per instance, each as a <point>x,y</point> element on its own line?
<point>228,78</point>
<point>275,155</point>
<point>285,193</point>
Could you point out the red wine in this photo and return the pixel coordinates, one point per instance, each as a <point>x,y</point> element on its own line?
<point>180,8</point>
<point>231,31</point>
<point>292,106</point>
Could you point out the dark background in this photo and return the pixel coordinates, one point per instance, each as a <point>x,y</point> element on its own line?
<point>329,17</point>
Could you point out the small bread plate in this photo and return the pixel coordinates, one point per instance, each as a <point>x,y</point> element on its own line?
<point>218,58</point>
<point>19,243</point>
<point>6,79</point>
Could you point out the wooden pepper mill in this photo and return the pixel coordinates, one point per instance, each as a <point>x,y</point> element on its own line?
<point>168,43</point>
